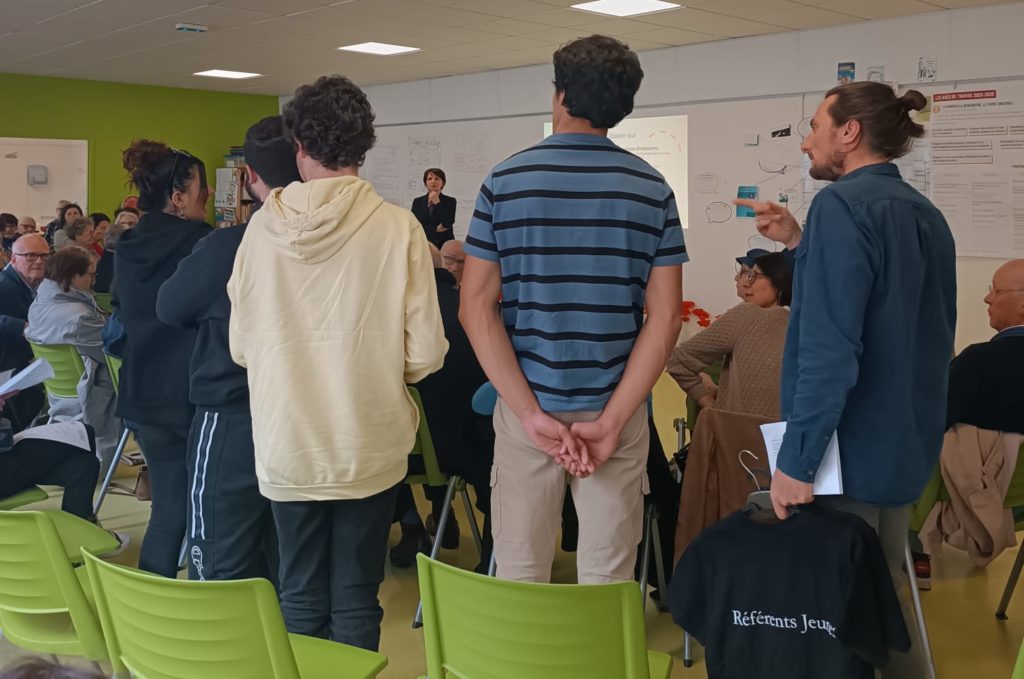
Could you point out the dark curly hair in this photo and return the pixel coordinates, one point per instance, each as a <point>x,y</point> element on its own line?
<point>157,171</point>
<point>333,122</point>
<point>599,77</point>
<point>64,212</point>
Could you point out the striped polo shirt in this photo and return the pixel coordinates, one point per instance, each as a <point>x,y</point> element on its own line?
<point>576,223</point>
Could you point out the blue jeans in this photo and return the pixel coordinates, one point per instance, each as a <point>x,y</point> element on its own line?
<point>332,564</point>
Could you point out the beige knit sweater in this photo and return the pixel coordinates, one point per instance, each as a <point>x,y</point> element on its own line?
<point>750,339</point>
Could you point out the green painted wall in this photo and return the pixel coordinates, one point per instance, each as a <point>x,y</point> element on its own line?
<point>110,115</point>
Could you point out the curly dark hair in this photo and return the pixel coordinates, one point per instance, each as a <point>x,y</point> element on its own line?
<point>333,122</point>
<point>599,77</point>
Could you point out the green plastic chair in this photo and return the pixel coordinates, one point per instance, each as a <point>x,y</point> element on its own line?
<point>476,627</point>
<point>67,365</point>
<point>1018,669</point>
<point>45,603</point>
<point>936,491</point>
<point>161,628</point>
<point>25,497</point>
<point>423,447</point>
<point>104,301</point>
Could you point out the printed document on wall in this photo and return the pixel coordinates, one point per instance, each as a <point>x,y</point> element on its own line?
<point>977,140</point>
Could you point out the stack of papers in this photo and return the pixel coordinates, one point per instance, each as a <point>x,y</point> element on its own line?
<point>38,371</point>
<point>829,479</point>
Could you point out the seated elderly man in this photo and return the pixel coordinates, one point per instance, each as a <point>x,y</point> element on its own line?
<point>18,283</point>
<point>986,381</point>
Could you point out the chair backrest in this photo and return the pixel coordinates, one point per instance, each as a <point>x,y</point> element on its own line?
<point>1015,492</point>
<point>67,365</point>
<point>424,447</point>
<point>104,301</point>
<point>161,628</point>
<point>114,367</point>
<point>476,627</point>
<point>43,607</point>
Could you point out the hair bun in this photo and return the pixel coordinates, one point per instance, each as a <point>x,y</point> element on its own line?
<point>913,100</point>
<point>143,154</point>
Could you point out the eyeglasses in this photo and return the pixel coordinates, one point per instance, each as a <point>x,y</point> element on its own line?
<point>999,291</point>
<point>33,256</point>
<point>751,276</point>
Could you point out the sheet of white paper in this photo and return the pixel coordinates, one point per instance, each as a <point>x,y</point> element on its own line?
<point>5,375</point>
<point>34,374</point>
<point>829,479</point>
<point>72,432</point>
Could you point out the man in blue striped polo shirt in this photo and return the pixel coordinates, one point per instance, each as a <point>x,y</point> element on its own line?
<point>575,237</point>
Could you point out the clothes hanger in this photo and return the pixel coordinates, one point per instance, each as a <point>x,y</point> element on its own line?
<point>759,503</point>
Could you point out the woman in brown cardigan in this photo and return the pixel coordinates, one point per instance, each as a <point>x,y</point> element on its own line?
<point>749,337</point>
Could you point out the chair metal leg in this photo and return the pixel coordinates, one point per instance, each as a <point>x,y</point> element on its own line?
<point>659,563</point>
<point>492,568</point>
<point>645,552</point>
<point>417,621</point>
<point>687,650</point>
<point>183,554</point>
<point>474,527</point>
<point>922,627</point>
<point>110,471</point>
<point>1011,584</point>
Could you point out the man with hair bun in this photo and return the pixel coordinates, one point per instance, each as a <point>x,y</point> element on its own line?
<point>871,327</point>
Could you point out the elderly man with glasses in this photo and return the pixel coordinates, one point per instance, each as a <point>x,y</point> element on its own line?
<point>18,283</point>
<point>986,381</point>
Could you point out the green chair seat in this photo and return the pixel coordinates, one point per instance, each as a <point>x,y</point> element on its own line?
<point>320,659</point>
<point>76,533</point>
<point>659,664</point>
<point>25,497</point>
<point>162,628</point>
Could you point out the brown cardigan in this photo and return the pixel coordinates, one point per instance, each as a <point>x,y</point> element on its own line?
<point>750,339</point>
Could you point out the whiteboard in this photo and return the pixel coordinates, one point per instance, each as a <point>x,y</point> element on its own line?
<point>67,163</point>
<point>717,161</point>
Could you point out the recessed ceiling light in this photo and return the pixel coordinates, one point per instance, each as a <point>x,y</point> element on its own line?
<point>233,75</point>
<point>379,48</point>
<point>626,8</point>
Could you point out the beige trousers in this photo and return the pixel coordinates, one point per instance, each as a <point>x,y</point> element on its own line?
<point>528,488</point>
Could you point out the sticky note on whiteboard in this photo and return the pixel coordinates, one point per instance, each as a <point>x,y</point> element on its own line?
<point>749,192</point>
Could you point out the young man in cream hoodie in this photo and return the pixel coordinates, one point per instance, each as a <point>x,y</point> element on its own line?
<point>334,310</point>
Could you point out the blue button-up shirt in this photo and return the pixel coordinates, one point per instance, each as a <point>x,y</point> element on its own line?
<point>870,337</point>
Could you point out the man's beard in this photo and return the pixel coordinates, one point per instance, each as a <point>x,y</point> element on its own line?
<point>252,195</point>
<point>828,172</point>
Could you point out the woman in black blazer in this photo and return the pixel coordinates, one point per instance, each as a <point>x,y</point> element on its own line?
<point>435,211</point>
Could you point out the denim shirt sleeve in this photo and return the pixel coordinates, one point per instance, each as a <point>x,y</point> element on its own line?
<point>836,273</point>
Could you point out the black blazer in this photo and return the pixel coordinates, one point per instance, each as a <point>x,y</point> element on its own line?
<point>442,213</point>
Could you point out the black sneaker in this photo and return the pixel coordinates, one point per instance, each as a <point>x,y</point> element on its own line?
<point>414,540</point>
<point>450,539</point>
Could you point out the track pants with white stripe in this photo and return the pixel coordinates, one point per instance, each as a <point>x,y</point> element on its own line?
<point>230,525</point>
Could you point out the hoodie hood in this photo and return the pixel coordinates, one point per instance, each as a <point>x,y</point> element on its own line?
<point>158,238</point>
<point>309,222</point>
<point>49,292</point>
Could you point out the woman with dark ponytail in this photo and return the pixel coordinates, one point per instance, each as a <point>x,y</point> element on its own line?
<point>173,193</point>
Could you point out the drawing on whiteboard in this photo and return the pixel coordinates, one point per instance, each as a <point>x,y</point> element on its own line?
<point>424,152</point>
<point>759,242</point>
<point>718,212</point>
<point>470,156</point>
<point>706,182</point>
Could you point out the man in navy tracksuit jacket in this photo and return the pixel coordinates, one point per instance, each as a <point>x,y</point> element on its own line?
<point>230,526</point>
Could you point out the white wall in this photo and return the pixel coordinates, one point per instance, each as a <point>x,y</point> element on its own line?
<point>969,44</point>
<point>68,164</point>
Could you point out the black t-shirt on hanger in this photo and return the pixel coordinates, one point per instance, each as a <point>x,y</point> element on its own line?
<point>807,598</point>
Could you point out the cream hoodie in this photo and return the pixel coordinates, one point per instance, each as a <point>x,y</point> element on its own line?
<point>333,310</point>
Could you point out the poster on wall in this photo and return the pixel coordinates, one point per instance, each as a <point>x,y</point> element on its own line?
<point>977,145</point>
